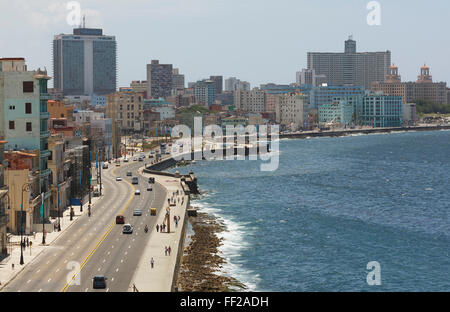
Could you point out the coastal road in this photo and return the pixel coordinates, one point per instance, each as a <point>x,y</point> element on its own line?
<point>96,242</point>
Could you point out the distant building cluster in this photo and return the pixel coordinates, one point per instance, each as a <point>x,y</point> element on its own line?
<point>49,136</point>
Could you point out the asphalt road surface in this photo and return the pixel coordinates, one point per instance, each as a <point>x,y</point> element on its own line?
<point>96,245</point>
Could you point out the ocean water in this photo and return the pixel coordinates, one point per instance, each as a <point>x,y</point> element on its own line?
<point>333,206</point>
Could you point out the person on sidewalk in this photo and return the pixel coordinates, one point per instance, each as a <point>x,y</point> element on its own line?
<point>165,251</point>
<point>152,262</point>
<point>169,250</point>
<point>157,228</point>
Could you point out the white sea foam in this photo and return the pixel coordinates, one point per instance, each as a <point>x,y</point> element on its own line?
<point>233,247</point>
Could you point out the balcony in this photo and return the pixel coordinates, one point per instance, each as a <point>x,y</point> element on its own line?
<point>45,153</point>
<point>45,134</point>
<point>45,172</point>
<point>45,115</point>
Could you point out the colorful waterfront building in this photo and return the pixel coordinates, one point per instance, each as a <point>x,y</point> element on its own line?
<point>380,110</point>
<point>24,116</point>
<point>339,112</point>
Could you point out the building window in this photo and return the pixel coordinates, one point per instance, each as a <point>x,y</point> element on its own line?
<point>28,87</point>
<point>11,125</point>
<point>27,108</point>
<point>29,126</point>
<point>12,107</point>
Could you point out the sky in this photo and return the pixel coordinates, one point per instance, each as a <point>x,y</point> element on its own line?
<point>259,41</point>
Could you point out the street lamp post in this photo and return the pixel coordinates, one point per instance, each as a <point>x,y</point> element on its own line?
<point>25,188</point>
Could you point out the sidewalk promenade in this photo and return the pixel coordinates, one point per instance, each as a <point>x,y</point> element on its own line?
<point>8,272</point>
<point>160,278</point>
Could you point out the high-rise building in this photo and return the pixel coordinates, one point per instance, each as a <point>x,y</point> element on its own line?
<point>178,79</point>
<point>424,89</point>
<point>309,77</point>
<point>218,83</point>
<point>24,117</point>
<point>350,67</point>
<point>292,110</point>
<point>393,84</point>
<point>85,62</point>
<point>234,84</point>
<point>127,107</point>
<point>204,92</point>
<point>250,101</point>
<point>159,79</point>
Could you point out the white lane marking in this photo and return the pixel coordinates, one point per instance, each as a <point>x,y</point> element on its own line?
<point>86,290</point>
<point>133,239</point>
<point>48,261</point>
<point>72,254</point>
<point>112,279</point>
<point>121,261</point>
<point>112,246</point>
<point>117,270</point>
<point>49,280</point>
<point>129,246</point>
<point>65,261</point>
<point>98,269</point>
<point>28,281</point>
<point>107,290</point>
<point>126,252</point>
<point>38,271</point>
<point>104,260</point>
<point>57,270</point>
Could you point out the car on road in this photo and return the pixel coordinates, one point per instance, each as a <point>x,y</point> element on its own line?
<point>137,212</point>
<point>129,174</point>
<point>134,180</point>
<point>152,152</point>
<point>125,160</point>
<point>127,229</point>
<point>149,188</point>
<point>96,193</point>
<point>135,159</point>
<point>120,219</point>
<point>118,179</point>
<point>137,192</point>
<point>142,155</point>
<point>105,166</point>
<point>141,159</point>
<point>117,164</point>
<point>99,281</point>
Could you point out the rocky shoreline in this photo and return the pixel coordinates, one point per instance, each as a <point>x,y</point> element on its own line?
<point>201,262</point>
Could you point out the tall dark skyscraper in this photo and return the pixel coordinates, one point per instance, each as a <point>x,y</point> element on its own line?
<point>85,62</point>
<point>159,79</point>
<point>218,83</point>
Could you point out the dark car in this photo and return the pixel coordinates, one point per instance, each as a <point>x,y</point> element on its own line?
<point>120,219</point>
<point>129,174</point>
<point>99,281</point>
<point>96,193</point>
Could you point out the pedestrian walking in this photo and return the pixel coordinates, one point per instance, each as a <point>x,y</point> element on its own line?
<point>152,262</point>
<point>169,250</point>
<point>157,228</point>
<point>34,235</point>
<point>28,242</point>
<point>165,250</point>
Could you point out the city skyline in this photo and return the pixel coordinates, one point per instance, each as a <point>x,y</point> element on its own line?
<point>261,57</point>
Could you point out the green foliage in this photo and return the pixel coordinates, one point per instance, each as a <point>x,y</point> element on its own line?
<point>425,107</point>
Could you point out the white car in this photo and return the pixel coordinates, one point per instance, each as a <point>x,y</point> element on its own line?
<point>137,192</point>
<point>149,188</point>
<point>118,179</point>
